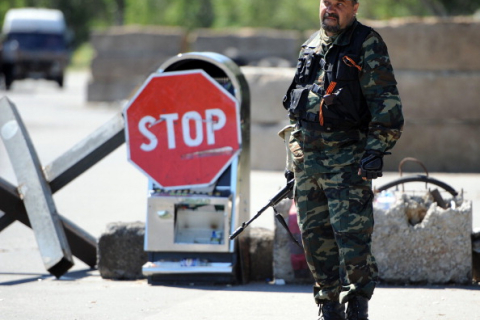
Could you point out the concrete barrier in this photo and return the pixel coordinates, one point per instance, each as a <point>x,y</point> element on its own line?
<point>434,60</point>
<point>431,43</point>
<point>267,47</point>
<point>437,250</point>
<point>120,254</point>
<point>126,56</point>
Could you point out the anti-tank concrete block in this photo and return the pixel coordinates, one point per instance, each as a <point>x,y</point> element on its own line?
<point>285,251</point>
<point>438,250</point>
<point>282,266</point>
<point>476,255</point>
<point>138,42</point>
<point>120,252</point>
<point>249,46</point>
<point>111,91</point>
<point>446,146</point>
<point>432,43</point>
<point>439,94</point>
<point>267,89</point>
<point>260,253</point>
<point>124,68</point>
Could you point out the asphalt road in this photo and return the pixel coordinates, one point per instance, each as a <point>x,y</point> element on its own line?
<point>113,190</point>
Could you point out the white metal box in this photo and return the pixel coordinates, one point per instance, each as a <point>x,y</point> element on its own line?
<point>188,223</point>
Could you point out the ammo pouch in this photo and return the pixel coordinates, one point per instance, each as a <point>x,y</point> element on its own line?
<point>298,100</point>
<point>307,67</point>
<point>345,107</point>
<point>339,111</point>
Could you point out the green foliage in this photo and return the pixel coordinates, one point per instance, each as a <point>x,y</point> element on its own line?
<point>83,15</point>
<point>82,57</point>
<point>187,13</point>
<point>381,9</point>
<point>460,7</point>
<point>279,14</point>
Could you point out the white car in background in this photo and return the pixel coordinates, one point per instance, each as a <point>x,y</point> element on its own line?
<point>35,45</point>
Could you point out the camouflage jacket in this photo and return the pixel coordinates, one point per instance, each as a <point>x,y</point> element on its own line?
<point>332,151</point>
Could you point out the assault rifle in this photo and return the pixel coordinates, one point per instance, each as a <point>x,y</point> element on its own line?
<point>282,194</point>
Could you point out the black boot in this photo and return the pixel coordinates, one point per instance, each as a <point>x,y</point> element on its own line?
<point>357,308</point>
<point>331,310</point>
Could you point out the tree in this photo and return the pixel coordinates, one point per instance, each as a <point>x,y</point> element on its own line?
<point>186,13</point>
<point>385,9</point>
<point>83,15</point>
<point>460,7</point>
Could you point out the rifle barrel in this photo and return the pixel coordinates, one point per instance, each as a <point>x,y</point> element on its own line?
<point>282,194</point>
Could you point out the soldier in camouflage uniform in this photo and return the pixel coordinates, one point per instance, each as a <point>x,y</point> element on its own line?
<point>346,114</point>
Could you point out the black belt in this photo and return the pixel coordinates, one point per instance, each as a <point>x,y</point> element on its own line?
<point>311,117</point>
<point>315,125</point>
<point>312,125</point>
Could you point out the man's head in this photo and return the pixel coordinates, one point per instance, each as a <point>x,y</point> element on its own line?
<point>336,15</point>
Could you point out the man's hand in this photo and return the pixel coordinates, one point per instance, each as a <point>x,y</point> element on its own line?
<point>289,175</point>
<point>371,165</point>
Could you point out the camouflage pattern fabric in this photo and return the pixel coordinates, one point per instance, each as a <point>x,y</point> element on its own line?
<point>379,87</point>
<point>334,204</point>
<point>335,216</point>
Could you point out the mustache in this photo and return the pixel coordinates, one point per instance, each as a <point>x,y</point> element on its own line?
<point>330,15</point>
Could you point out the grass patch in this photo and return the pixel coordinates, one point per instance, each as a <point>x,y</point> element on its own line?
<point>82,57</point>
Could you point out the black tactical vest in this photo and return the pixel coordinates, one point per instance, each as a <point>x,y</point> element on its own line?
<point>344,106</point>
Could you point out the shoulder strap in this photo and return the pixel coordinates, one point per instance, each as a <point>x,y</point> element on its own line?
<point>314,37</point>
<point>306,44</point>
<point>358,37</point>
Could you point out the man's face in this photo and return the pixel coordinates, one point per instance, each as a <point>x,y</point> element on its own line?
<point>336,15</point>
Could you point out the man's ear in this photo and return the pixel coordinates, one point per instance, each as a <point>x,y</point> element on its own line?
<point>355,7</point>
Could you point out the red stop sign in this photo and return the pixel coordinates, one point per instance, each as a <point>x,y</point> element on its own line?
<point>182,129</point>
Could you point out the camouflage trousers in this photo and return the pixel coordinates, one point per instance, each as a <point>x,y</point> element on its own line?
<point>335,216</point>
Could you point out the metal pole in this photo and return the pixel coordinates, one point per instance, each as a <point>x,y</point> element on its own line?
<point>35,191</point>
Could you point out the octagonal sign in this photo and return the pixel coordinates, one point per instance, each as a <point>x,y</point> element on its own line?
<point>182,129</point>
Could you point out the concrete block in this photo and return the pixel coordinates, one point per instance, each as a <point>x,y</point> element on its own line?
<point>443,147</point>
<point>112,91</point>
<point>108,69</point>
<point>443,95</point>
<point>120,252</point>
<point>476,255</point>
<point>267,148</point>
<point>138,42</point>
<point>431,43</point>
<point>284,248</point>
<point>249,46</point>
<point>257,244</point>
<point>437,250</point>
<point>282,265</point>
<point>267,89</point>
